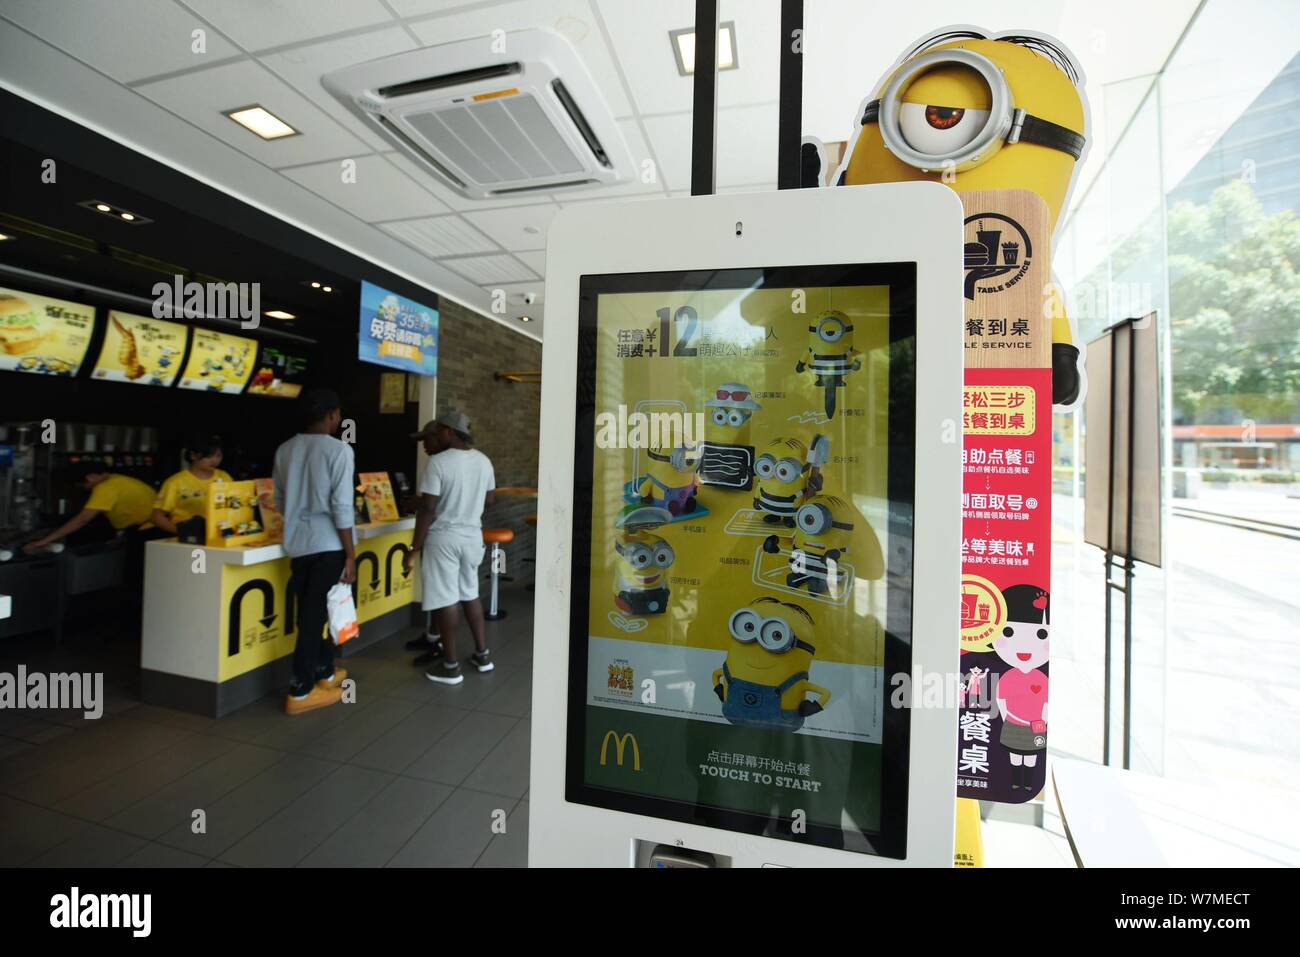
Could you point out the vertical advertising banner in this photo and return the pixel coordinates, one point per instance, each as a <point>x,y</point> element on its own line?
<point>1006,500</point>
<point>749,562</point>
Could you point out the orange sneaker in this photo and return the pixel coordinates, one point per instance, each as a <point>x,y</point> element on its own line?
<point>316,698</point>
<point>335,681</point>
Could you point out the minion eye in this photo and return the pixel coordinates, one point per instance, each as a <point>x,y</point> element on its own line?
<point>640,558</point>
<point>735,417</point>
<point>744,624</point>
<point>787,471</point>
<point>664,556</point>
<point>830,330</point>
<point>765,466</point>
<point>774,635</point>
<point>811,519</point>
<point>719,416</point>
<point>939,130</point>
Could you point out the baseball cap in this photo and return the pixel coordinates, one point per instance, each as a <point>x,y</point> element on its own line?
<point>453,419</point>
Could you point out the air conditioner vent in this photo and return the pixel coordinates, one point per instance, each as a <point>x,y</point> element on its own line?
<point>533,123</point>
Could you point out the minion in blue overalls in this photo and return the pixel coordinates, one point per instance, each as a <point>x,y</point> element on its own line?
<point>763,682</point>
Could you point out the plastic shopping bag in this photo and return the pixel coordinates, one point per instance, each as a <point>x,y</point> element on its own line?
<point>342,613</point>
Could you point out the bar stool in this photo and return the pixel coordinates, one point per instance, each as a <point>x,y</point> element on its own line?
<point>496,537</point>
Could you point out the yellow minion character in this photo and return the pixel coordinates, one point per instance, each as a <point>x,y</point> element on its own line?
<point>981,112</point>
<point>786,473</point>
<point>830,354</point>
<point>669,481</point>
<point>641,575</point>
<point>763,681</point>
<point>823,528</point>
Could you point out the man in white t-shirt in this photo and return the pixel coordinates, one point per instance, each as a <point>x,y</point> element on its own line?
<point>456,488</point>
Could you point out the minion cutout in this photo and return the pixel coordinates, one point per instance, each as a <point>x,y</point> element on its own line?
<point>763,681</point>
<point>980,112</point>
<point>787,471</point>
<point>727,456</point>
<point>823,528</point>
<point>830,355</point>
<point>669,481</point>
<point>641,576</point>
<point>1021,697</point>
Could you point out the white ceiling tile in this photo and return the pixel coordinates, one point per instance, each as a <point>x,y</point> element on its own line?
<point>670,137</point>
<point>510,227</point>
<point>259,24</point>
<point>415,8</point>
<point>379,191</point>
<point>303,67</point>
<point>151,38</point>
<point>536,261</point>
<point>639,33</point>
<point>201,96</point>
<point>746,146</point>
<point>486,270</point>
<point>440,236</point>
<point>571,18</point>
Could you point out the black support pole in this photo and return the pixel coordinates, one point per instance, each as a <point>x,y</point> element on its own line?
<point>789,172</point>
<point>704,115</point>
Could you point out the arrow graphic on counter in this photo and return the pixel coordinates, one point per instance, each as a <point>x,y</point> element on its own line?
<point>233,614</point>
<point>388,567</point>
<point>374,568</point>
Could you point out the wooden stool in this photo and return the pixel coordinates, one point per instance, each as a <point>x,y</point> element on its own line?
<point>496,537</point>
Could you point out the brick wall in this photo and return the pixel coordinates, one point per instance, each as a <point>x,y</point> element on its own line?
<point>505,416</point>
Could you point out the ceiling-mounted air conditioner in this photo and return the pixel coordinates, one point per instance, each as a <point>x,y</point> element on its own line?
<point>492,116</point>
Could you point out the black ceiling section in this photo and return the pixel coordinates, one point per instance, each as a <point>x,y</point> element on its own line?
<point>197,230</point>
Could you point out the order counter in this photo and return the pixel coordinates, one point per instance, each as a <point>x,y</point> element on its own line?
<point>219,627</point>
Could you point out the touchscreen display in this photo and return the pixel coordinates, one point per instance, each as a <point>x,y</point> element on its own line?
<point>742,568</point>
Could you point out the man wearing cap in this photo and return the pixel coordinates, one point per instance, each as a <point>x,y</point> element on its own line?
<point>456,488</point>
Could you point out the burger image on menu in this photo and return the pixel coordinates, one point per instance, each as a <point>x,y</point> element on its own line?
<point>21,327</point>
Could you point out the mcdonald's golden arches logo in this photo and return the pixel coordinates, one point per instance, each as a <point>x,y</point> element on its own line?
<point>620,742</point>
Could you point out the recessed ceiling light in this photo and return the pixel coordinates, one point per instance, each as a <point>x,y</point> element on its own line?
<point>117,212</point>
<point>329,288</point>
<point>4,236</point>
<point>525,318</point>
<point>279,314</point>
<point>263,122</point>
<point>315,285</point>
<point>683,42</point>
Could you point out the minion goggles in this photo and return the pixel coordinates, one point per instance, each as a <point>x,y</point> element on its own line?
<point>830,328</point>
<point>816,519</point>
<point>1006,124</point>
<point>640,555</point>
<point>785,470</point>
<point>773,634</point>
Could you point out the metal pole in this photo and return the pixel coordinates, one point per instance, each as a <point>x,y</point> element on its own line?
<point>1128,548</point>
<point>704,115</point>
<point>789,132</point>
<point>1110,544</point>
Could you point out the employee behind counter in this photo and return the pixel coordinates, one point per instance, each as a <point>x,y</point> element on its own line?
<point>184,496</point>
<point>125,502</point>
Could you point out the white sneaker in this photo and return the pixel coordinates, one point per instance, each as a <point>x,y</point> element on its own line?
<point>445,675</point>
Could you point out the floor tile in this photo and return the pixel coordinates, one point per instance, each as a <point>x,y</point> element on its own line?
<point>160,855</point>
<point>411,737</point>
<point>93,846</point>
<point>376,832</point>
<point>452,759</point>
<point>505,768</point>
<point>514,697</point>
<point>362,728</point>
<point>456,834</point>
<point>29,831</point>
<point>511,848</point>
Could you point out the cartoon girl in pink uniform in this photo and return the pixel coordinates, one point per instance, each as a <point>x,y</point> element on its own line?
<point>1022,688</point>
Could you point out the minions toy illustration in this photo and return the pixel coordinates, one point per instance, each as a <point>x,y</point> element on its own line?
<point>830,355</point>
<point>763,681</point>
<point>981,112</point>
<point>823,527</point>
<point>787,471</point>
<point>640,579</point>
<point>727,456</point>
<point>669,481</point>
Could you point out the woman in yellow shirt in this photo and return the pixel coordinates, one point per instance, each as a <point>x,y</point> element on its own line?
<point>185,494</point>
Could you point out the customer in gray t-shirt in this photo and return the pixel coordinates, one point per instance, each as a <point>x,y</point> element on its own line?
<point>313,481</point>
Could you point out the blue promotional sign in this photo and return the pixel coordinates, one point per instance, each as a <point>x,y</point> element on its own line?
<point>397,332</point>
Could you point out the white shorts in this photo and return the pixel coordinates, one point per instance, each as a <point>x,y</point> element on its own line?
<point>449,573</point>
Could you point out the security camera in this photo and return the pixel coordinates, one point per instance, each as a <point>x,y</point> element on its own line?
<point>530,298</point>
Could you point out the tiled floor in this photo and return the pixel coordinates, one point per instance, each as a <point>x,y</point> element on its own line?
<point>412,775</point>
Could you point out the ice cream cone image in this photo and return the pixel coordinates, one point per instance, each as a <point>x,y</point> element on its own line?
<point>127,354</point>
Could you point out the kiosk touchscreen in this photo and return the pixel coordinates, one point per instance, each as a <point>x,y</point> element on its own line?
<point>751,531</point>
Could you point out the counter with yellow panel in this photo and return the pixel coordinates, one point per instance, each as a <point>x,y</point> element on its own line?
<point>219,627</point>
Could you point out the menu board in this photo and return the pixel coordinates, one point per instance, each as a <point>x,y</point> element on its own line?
<point>219,362</point>
<point>43,335</point>
<point>279,373</point>
<point>377,491</point>
<point>141,349</point>
<point>397,332</point>
<point>747,580</point>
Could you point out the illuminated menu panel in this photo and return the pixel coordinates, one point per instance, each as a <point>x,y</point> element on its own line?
<point>280,374</point>
<point>219,362</point>
<point>43,335</point>
<point>141,350</point>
